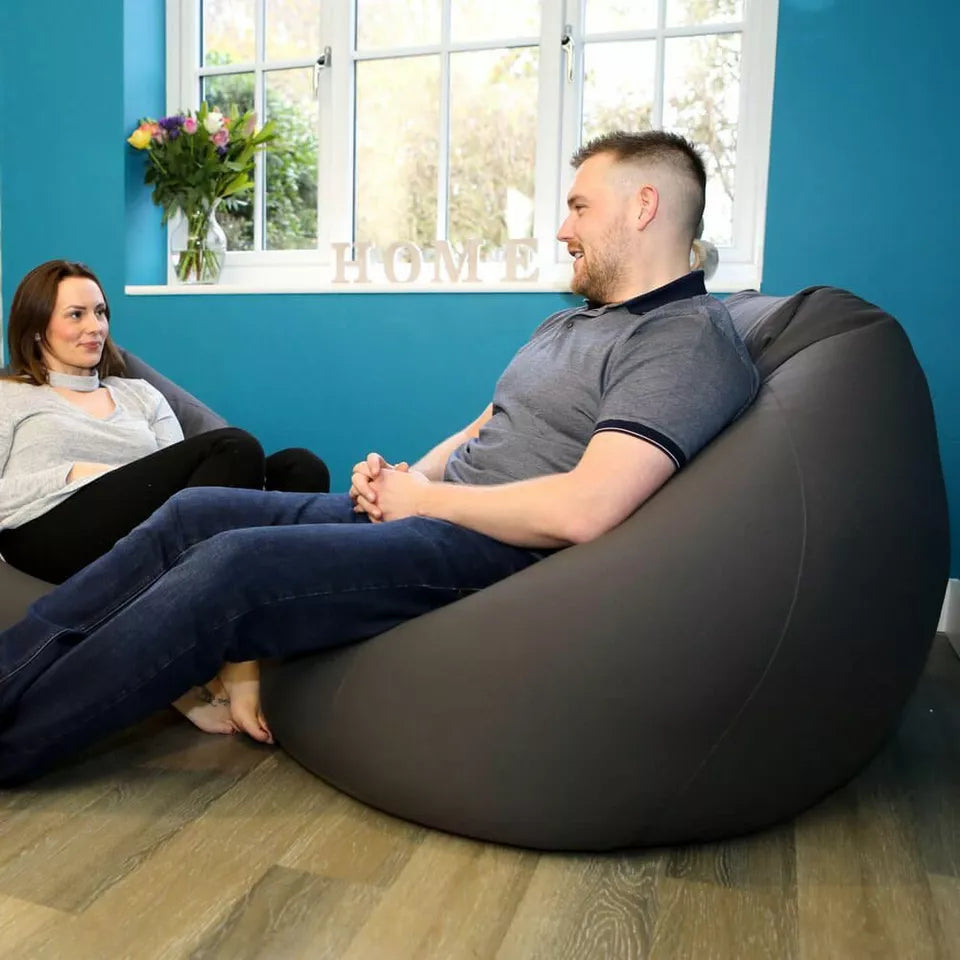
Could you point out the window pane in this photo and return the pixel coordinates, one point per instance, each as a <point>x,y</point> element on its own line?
<point>228,32</point>
<point>618,86</point>
<point>293,29</point>
<point>398,117</point>
<point>701,101</point>
<point>494,19</point>
<point>682,13</point>
<point>221,93</point>
<point>386,23</point>
<point>604,16</point>
<point>291,160</point>
<point>493,132</point>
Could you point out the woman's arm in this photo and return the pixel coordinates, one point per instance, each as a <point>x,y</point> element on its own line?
<point>20,491</point>
<point>163,421</point>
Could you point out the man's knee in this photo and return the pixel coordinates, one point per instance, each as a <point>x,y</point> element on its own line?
<point>190,501</point>
<point>191,512</point>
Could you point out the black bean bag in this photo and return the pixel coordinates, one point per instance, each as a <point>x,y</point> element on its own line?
<point>738,648</point>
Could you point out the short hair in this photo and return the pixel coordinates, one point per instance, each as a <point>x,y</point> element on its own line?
<point>30,312</point>
<point>655,146</point>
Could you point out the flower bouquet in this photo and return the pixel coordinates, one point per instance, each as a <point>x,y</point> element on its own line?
<point>195,161</point>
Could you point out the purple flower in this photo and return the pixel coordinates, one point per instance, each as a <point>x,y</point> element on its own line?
<point>172,124</point>
<point>221,151</point>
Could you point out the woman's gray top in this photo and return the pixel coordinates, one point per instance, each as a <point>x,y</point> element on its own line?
<point>42,435</point>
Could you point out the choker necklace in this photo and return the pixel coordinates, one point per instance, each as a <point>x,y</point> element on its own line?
<point>71,381</point>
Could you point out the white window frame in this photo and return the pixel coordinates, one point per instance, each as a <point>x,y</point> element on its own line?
<point>558,111</point>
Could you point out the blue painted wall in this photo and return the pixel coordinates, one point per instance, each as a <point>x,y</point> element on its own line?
<point>863,189</point>
<point>861,195</point>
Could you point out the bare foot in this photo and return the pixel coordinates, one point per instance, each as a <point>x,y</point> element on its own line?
<point>207,707</point>
<point>242,683</point>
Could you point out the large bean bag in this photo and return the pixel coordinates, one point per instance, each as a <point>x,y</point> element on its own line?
<point>738,648</point>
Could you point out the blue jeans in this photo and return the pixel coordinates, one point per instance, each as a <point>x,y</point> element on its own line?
<point>218,575</point>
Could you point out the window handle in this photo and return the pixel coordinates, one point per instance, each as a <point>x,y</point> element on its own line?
<point>322,62</point>
<point>566,44</point>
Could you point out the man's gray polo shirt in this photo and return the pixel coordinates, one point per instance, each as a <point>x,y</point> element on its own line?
<point>666,367</point>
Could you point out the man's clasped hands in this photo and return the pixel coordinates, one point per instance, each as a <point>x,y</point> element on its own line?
<point>386,491</point>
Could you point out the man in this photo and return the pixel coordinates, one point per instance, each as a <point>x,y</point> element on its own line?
<point>602,405</point>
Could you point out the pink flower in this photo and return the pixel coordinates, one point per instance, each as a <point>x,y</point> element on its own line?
<point>250,126</point>
<point>189,125</point>
<point>221,138</point>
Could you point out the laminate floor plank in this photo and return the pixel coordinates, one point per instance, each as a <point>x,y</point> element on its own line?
<point>19,920</point>
<point>580,907</point>
<point>27,816</point>
<point>110,838</point>
<point>736,898</point>
<point>291,914</point>
<point>29,813</point>
<point>454,899</point>
<point>352,842</point>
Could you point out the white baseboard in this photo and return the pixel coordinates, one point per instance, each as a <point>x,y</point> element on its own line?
<point>950,614</point>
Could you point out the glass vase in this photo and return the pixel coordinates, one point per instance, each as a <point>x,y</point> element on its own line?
<point>198,245</point>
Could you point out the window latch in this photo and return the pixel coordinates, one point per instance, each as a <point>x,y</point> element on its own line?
<point>566,45</point>
<point>322,62</point>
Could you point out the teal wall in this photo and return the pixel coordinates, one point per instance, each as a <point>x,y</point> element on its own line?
<point>863,189</point>
<point>864,124</point>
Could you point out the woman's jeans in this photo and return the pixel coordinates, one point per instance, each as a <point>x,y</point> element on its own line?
<point>219,575</point>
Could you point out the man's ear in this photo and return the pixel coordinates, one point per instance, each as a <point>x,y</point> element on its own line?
<point>647,202</point>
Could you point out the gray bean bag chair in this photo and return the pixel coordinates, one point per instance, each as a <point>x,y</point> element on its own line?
<point>738,648</point>
<point>735,650</point>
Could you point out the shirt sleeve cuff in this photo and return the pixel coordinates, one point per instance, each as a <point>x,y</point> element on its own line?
<point>658,439</point>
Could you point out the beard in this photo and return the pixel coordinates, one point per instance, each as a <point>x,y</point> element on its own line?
<point>603,267</point>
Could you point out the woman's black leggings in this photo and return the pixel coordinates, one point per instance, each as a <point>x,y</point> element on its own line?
<point>89,522</point>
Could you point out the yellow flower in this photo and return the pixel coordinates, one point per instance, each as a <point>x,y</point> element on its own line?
<point>140,137</point>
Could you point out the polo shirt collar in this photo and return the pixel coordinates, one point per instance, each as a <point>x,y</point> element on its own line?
<point>683,288</point>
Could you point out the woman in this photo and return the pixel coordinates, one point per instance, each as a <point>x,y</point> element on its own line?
<point>86,454</point>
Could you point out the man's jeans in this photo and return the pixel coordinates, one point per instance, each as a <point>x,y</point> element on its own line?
<point>219,575</point>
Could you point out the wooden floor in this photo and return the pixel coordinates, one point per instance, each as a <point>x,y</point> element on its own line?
<point>168,843</point>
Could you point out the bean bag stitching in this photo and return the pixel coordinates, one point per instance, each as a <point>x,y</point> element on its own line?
<point>783,632</point>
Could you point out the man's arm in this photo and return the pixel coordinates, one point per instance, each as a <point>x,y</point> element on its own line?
<point>431,464</point>
<point>616,474</point>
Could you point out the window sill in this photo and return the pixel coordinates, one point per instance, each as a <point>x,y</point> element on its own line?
<point>245,289</point>
<point>725,281</point>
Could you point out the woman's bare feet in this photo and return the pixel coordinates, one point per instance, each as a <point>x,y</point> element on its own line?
<point>207,707</point>
<point>242,683</point>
